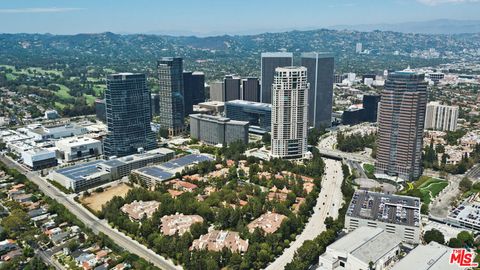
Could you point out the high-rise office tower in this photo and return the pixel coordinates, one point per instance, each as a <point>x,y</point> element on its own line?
<point>370,105</point>
<point>155,99</point>
<point>250,89</point>
<point>289,112</point>
<point>217,91</point>
<point>441,117</point>
<point>270,61</point>
<point>400,125</point>
<point>232,87</point>
<point>127,100</point>
<point>100,110</point>
<point>194,89</point>
<point>170,78</point>
<point>321,79</point>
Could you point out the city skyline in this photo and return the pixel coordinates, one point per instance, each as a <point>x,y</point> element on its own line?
<point>197,18</point>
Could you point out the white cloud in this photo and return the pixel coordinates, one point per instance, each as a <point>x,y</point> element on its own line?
<point>38,10</point>
<point>438,2</point>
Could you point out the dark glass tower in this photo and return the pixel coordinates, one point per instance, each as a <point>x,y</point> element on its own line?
<point>172,110</point>
<point>400,125</point>
<point>231,87</point>
<point>128,114</point>
<point>194,89</point>
<point>320,99</point>
<point>270,61</point>
<point>251,89</point>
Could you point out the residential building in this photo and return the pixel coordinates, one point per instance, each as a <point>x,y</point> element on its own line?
<point>399,215</point>
<point>361,248</point>
<point>100,110</point>
<point>289,112</point>
<point>268,222</point>
<point>51,114</point>
<point>217,130</point>
<point>400,125</point>
<point>427,257</point>
<point>128,115</point>
<point>178,223</point>
<point>269,62</point>
<point>320,76</point>
<point>194,89</point>
<point>258,115</point>
<point>72,149</point>
<point>39,158</point>
<point>217,240</point>
<point>170,79</point>
<point>441,117</point>
<point>137,210</point>
<point>250,89</point>
<point>358,48</point>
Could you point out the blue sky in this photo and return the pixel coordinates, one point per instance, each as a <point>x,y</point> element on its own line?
<point>206,17</point>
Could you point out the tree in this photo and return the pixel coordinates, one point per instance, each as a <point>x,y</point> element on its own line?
<point>455,243</point>
<point>466,238</point>
<point>266,138</point>
<point>17,220</point>
<point>434,235</point>
<point>465,184</point>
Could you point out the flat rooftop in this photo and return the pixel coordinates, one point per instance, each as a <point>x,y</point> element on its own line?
<point>80,171</point>
<point>250,103</point>
<point>469,213</point>
<point>156,172</point>
<point>395,209</point>
<point>186,160</point>
<point>430,257</point>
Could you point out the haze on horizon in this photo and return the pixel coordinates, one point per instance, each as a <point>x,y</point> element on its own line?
<point>214,17</point>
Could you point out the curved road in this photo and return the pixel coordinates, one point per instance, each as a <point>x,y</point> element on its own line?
<point>93,222</point>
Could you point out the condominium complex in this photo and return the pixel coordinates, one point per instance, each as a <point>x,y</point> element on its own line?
<point>400,125</point>
<point>170,79</point>
<point>258,115</point>
<point>128,115</point>
<point>217,130</point>
<point>320,98</point>
<point>289,112</point>
<point>399,215</point>
<point>269,62</point>
<point>441,117</point>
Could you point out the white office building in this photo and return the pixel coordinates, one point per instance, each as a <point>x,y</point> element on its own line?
<point>72,149</point>
<point>361,248</point>
<point>39,158</point>
<point>441,117</point>
<point>289,112</point>
<point>397,215</point>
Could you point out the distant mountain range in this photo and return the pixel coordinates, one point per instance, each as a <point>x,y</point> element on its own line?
<point>441,26</point>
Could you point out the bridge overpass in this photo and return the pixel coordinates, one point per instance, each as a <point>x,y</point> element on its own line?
<point>339,155</point>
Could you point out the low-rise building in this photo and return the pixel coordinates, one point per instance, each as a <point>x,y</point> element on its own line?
<point>259,115</point>
<point>430,257</point>
<point>268,222</point>
<point>217,130</point>
<point>178,223</point>
<point>466,215</point>
<point>363,248</point>
<point>217,240</point>
<point>89,174</point>
<point>43,133</point>
<point>399,215</point>
<point>39,158</point>
<point>137,210</point>
<point>72,149</point>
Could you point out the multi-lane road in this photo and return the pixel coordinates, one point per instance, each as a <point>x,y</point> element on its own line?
<point>329,202</point>
<point>94,223</point>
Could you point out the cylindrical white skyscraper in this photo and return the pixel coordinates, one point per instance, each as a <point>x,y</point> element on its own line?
<point>289,112</point>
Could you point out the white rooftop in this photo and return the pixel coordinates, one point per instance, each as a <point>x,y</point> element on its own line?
<point>430,257</point>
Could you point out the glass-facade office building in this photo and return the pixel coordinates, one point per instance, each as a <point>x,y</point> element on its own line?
<point>128,113</point>
<point>172,110</point>
<point>258,115</point>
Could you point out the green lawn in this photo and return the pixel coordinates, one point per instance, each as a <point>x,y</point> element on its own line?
<point>64,92</point>
<point>11,77</point>
<point>99,89</point>
<point>60,105</point>
<point>369,170</point>
<point>431,187</point>
<point>90,99</point>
